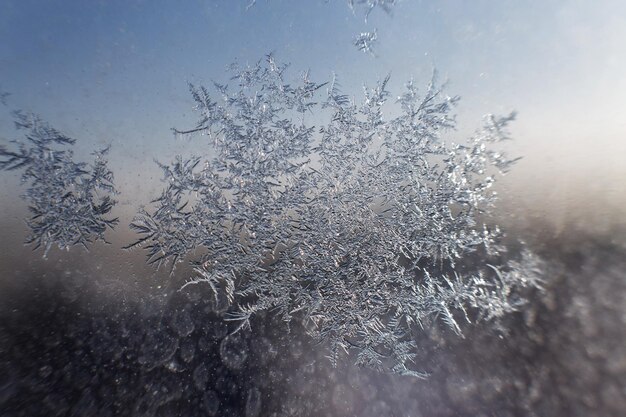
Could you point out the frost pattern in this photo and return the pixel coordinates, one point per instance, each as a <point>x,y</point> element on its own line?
<point>365,41</point>
<point>361,227</point>
<point>370,5</point>
<point>68,201</point>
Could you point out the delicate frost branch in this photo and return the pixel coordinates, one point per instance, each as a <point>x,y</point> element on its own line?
<point>250,5</point>
<point>370,5</point>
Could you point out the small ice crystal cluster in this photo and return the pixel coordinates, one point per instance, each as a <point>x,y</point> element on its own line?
<point>367,5</point>
<point>68,201</point>
<point>370,5</point>
<point>365,41</point>
<point>361,227</point>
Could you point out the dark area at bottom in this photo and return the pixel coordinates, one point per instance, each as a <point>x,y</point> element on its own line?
<point>62,353</point>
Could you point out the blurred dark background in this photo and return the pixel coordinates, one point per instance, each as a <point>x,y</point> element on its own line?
<point>79,338</point>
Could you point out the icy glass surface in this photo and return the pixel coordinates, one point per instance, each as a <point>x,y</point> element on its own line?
<point>311,208</point>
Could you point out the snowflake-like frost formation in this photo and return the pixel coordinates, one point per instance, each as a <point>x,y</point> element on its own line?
<point>68,200</point>
<point>361,227</point>
<point>365,41</point>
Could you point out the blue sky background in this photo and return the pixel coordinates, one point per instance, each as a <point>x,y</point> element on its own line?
<point>117,71</point>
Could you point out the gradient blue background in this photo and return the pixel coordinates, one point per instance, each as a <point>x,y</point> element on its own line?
<point>116,72</point>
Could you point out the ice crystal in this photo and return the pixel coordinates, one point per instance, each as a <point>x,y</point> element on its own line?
<point>367,5</point>
<point>68,200</point>
<point>362,227</point>
<point>365,41</point>
<point>370,5</point>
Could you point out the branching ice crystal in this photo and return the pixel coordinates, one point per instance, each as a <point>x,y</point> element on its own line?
<point>250,5</point>
<point>365,41</point>
<point>363,227</point>
<point>370,5</point>
<point>68,201</point>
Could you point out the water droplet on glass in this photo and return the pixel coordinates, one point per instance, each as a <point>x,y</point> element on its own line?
<point>234,351</point>
<point>182,323</point>
<point>253,403</point>
<point>211,402</point>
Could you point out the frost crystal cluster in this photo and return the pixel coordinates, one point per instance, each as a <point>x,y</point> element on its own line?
<point>370,5</point>
<point>365,41</point>
<point>68,201</point>
<point>367,5</point>
<point>361,227</point>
